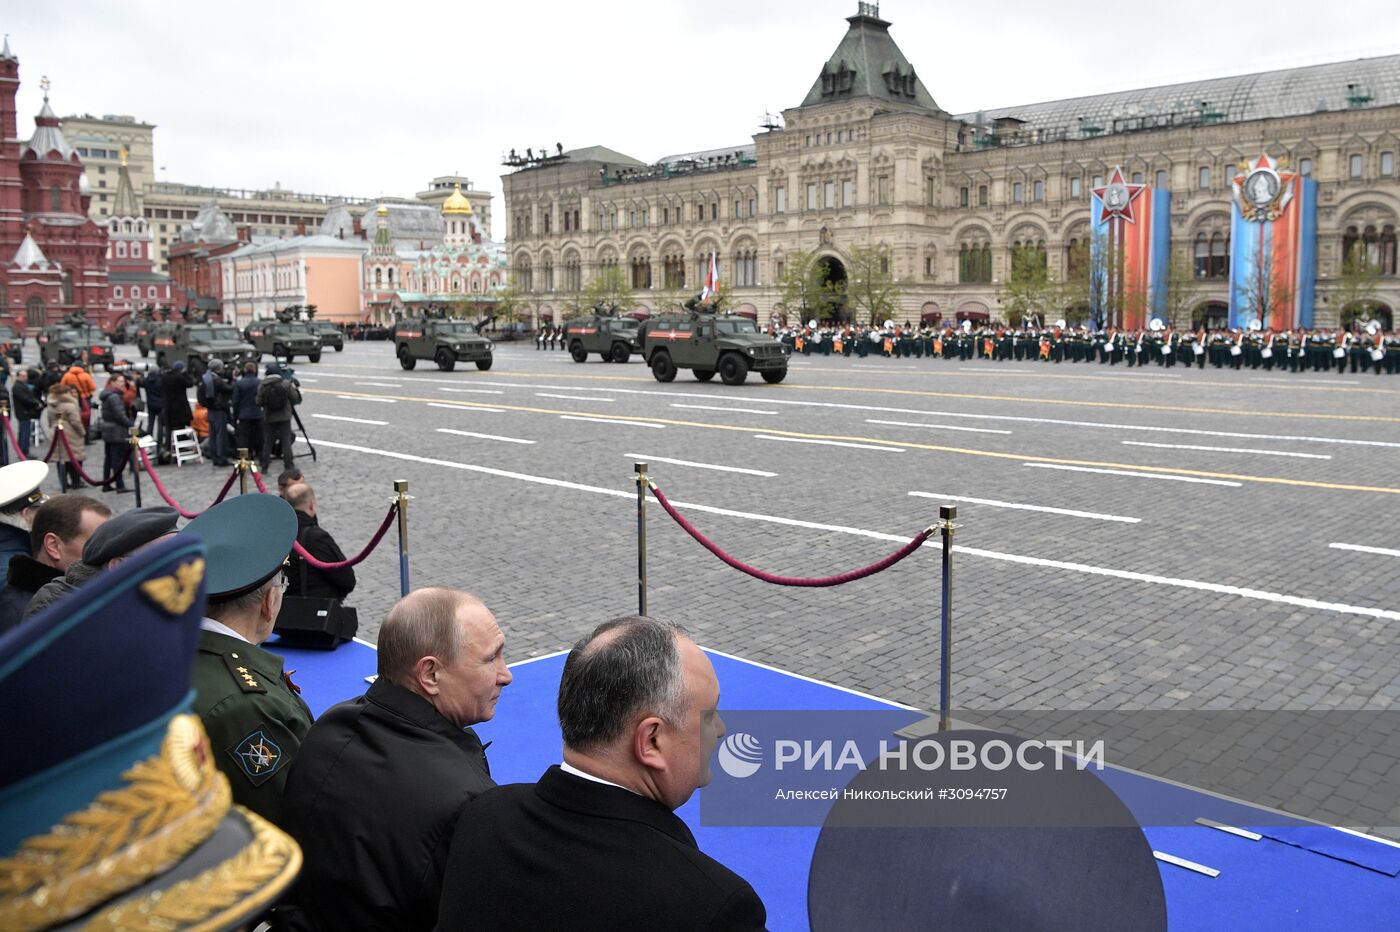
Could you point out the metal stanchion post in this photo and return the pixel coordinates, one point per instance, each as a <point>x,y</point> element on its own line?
<point>243,464</point>
<point>4,441</point>
<point>134,456</point>
<point>946,514</point>
<point>642,481</point>
<point>403,498</point>
<point>63,464</point>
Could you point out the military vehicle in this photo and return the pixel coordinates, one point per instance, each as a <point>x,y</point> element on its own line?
<point>68,340</point>
<point>144,326</point>
<point>706,343</point>
<point>286,337</point>
<point>611,337</point>
<point>445,340</point>
<point>330,335</point>
<point>197,342</point>
<point>11,342</point>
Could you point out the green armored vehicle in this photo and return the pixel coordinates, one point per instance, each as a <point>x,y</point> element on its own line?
<point>445,340</point>
<point>611,337</point>
<point>144,326</point>
<point>200,342</point>
<point>330,335</point>
<point>287,337</point>
<point>11,342</point>
<point>707,343</point>
<point>69,340</point>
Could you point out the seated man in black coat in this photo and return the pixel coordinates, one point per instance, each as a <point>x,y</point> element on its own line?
<point>302,578</point>
<point>595,843</point>
<point>378,784</point>
<point>62,525</point>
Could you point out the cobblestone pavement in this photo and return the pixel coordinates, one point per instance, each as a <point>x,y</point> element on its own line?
<point>1196,571</point>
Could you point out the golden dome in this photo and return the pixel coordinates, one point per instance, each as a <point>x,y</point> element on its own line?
<point>456,204</point>
<point>383,210</point>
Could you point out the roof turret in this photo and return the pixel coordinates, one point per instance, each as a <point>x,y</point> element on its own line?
<point>29,255</point>
<point>125,203</point>
<point>869,64</point>
<point>456,204</point>
<point>48,137</point>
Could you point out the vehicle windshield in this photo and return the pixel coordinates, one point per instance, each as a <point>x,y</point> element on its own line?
<point>626,323</point>
<point>213,333</point>
<point>323,325</point>
<point>68,335</point>
<point>227,333</point>
<point>297,328</point>
<point>457,326</point>
<point>727,325</point>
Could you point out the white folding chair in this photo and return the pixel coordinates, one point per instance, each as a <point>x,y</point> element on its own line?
<point>185,443</point>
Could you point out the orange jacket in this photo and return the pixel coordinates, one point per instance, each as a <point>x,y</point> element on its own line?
<point>78,377</point>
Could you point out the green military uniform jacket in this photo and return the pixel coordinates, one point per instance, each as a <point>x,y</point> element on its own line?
<point>255,719</point>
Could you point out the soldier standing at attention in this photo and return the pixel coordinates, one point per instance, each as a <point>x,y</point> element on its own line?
<point>252,711</point>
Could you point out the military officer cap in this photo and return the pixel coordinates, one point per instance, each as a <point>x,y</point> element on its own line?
<point>128,532</point>
<point>112,777</point>
<point>19,485</point>
<point>248,539</point>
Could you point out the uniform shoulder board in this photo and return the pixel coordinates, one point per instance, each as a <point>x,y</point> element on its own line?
<point>243,674</point>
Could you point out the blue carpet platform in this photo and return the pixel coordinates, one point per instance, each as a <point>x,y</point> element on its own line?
<point>1311,877</point>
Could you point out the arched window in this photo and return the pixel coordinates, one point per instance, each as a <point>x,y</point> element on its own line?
<point>1201,256</point>
<point>1387,249</point>
<point>641,272</point>
<point>391,277</point>
<point>117,291</point>
<point>121,249</point>
<point>1219,255</point>
<point>378,277</point>
<point>548,275</point>
<point>673,271</point>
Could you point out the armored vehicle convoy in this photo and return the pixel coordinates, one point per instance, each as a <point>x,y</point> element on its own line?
<point>445,340</point>
<point>287,337</point>
<point>69,340</point>
<point>200,342</point>
<point>143,326</point>
<point>706,343</point>
<point>11,342</point>
<point>611,337</point>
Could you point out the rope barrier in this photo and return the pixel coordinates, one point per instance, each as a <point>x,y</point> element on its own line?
<point>78,467</point>
<point>357,558</point>
<point>819,582</point>
<point>223,493</point>
<point>257,480</point>
<point>160,489</point>
<point>14,442</point>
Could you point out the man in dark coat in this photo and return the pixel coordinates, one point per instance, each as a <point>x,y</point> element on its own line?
<point>154,385</point>
<point>277,395</point>
<point>112,542</point>
<point>176,383</point>
<point>115,440</point>
<point>595,844</point>
<point>219,389</point>
<point>403,759</point>
<point>27,406</point>
<point>304,579</point>
<point>248,417</point>
<point>62,525</point>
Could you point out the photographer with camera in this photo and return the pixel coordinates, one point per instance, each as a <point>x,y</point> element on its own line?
<point>278,394</point>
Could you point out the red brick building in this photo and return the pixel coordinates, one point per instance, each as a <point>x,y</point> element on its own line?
<point>132,279</point>
<point>53,259</point>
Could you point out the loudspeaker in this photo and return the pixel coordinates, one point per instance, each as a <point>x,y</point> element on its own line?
<point>313,622</point>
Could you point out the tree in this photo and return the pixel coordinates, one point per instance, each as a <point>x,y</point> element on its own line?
<point>1355,290</point>
<point>804,287</point>
<point>1030,288</point>
<point>1184,291</point>
<point>1264,292</point>
<point>609,286</point>
<point>871,290</point>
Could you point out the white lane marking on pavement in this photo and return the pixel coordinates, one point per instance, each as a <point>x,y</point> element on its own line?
<point>467,433</point>
<point>661,459</point>
<point>352,420</point>
<point>472,391</point>
<point>308,381</point>
<point>439,404</point>
<point>608,420</point>
<point>831,443</point>
<point>1277,381</point>
<point>1178,446</point>
<point>1175,582</point>
<point>383,384</point>
<point>1359,548</point>
<point>1135,475</point>
<point>722,408</point>
<point>1021,507</point>
<point>574,397</point>
<point>969,430</point>
<point>383,401</point>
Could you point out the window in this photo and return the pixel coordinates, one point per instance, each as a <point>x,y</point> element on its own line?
<point>1161,179</point>
<point>714,210</point>
<point>848,193</point>
<point>829,190</point>
<point>753,207</point>
<point>962,197</point>
<point>828,137</point>
<point>882,189</point>
<point>665,215</point>
<point>1038,192</point>
<point>780,200</point>
<point>1098,181</point>
<point>1075,187</point>
<point>738,210</point>
<point>1017,192</point>
<point>975,263</point>
<point>809,141</point>
<point>1203,177</point>
<point>55,199</point>
<point>1305,167</point>
<point>151,291</point>
<point>811,197</point>
<point>1137,177</point>
<point>121,250</point>
<point>1387,164</point>
<point>1355,166</point>
<point>117,291</point>
<point>981,195</point>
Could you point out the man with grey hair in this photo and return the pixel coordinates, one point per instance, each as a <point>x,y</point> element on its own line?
<point>403,760</point>
<point>595,844</point>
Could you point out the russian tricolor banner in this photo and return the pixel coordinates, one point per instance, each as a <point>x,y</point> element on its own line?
<point>1273,247</point>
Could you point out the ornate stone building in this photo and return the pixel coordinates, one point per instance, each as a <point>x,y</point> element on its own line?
<point>869,159</point>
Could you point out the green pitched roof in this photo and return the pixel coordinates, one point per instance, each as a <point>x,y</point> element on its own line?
<point>869,64</point>
<point>125,202</point>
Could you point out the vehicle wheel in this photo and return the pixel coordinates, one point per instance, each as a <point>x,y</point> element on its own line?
<point>340,348</point>
<point>483,364</point>
<point>577,351</point>
<point>445,360</point>
<point>314,357</point>
<point>160,360</point>
<point>662,368</point>
<point>704,375</point>
<point>406,358</point>
<point>733,369</point>
<point>279,351</point>
<point>620,353</point>
<point>774,376</point>
<point>145,354</point>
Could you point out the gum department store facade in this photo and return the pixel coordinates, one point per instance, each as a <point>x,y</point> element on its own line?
<point>869,159</point>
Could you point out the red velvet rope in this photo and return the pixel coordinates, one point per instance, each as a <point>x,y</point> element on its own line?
<point>821,582</point>
<point>14,442</point>
<point>223,493</point>
<point>155,480</point>
<point>357,558</point>
<point>78,467</point>
<point>257,480</point>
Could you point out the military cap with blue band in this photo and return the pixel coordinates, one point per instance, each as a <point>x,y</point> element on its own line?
<point>248,539</point>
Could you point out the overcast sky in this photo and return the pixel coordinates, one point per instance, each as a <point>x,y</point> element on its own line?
<point>363,100</point>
